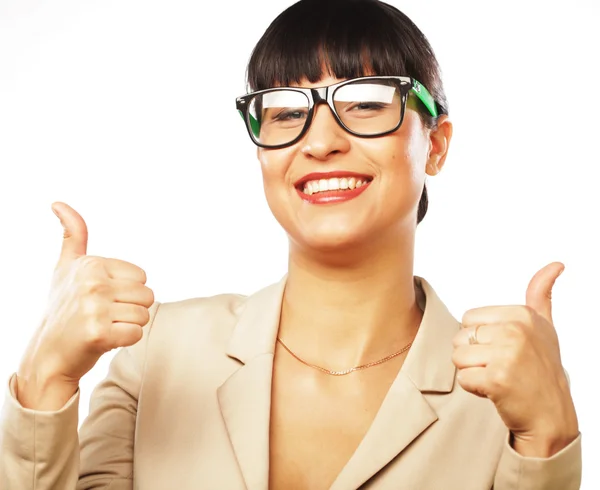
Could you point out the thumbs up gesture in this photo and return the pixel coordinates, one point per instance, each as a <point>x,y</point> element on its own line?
<point>510,354</point>
<point>95,305</point>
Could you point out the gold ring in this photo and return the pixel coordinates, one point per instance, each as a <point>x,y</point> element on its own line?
<point>473,335</point>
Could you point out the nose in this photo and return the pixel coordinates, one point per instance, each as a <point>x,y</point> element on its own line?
<point>324,137</point>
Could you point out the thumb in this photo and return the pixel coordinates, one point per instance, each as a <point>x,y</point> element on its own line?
<point>75,232</point>
<point>539,291</point>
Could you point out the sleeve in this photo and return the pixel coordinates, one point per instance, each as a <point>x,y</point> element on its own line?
<point>562,471</point>
<point>43,450</point>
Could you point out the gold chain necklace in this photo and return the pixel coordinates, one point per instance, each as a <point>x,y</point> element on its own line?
<point>346,371</point>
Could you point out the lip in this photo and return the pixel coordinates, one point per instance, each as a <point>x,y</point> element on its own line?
<point>332,197</point>
<point>330,175</point>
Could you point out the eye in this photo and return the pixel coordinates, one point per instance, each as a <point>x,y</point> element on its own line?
<point>366,106</point>
<point>290,115</point>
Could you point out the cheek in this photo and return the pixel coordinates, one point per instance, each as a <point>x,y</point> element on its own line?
<point>400,159</point>
<point>411,150</point>
<point>275,166</point>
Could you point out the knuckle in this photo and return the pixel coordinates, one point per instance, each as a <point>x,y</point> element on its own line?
<point>93,286</point>
<point>512,357</point>
<point>95,336</point>
<point>457,356</point>
<point>499,379</point>
<point>150,299</point>
<point>143,315</point>
<point>143,276</point>
<point>89,266</point>
<point>515,331</point>
<point>90,307</point>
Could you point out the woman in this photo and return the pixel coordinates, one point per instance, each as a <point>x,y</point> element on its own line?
<point>349,372</point>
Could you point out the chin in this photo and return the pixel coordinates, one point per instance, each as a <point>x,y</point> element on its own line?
<point>331,240</point>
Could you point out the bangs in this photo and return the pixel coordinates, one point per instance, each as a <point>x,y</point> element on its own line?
<point>340,38</point>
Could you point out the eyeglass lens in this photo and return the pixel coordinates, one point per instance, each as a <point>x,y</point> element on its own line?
<point>366,107</point>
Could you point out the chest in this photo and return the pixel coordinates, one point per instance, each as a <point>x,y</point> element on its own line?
<point>318,421</point>
<point>245,430</point>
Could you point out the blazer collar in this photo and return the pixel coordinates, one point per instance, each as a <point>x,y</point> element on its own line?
<point>429,361</point>
<point>258,322</point>
<point>406,412</point>
<point>256,331</point>
<point>245,397</point>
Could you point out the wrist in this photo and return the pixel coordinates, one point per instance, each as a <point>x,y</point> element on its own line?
<point>37,390</point>
<point>539,447</point>
<point>548,441</point>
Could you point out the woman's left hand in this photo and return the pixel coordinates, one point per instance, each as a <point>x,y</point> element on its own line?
<point>510,354</point>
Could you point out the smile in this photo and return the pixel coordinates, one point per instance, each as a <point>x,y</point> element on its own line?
<point>334,184</point>
<point>326,189</point>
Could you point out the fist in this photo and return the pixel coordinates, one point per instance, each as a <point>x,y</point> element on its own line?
<point>511,355</point>
<point>95,305</point>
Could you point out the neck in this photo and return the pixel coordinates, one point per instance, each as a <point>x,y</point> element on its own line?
<point>345,313</point>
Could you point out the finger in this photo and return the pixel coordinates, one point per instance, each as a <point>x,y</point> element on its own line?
<point>473,380</point>
<point>129,313</point>
<point>486,334</point>
<point>496,314</point>
<point>539,290</point>
<point>128,291</point>
<point>75,235</point>
<point>119,269</point>
<point>466,356</point>
<point>125,334</point>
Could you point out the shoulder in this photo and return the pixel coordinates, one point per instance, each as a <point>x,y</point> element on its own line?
<point>197,316</point>
<point>220,304</point>
<point>184,336</point>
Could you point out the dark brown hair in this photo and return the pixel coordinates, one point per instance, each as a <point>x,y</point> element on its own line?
<point>348,38</point>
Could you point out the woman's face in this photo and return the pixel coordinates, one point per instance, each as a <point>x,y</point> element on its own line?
<point>393,167</point>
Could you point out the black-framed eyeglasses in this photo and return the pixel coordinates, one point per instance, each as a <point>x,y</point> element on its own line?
<point>367,107</point>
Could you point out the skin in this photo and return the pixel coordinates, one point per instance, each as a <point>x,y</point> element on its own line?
<point>95,304</point>
<point>352,263</point>
<point>350,299</point>
<point>350,295</point>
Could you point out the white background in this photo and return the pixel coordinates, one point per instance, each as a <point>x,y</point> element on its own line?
<point>125,110</point>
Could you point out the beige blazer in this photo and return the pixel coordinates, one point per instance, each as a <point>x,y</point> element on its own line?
<point>188,407</point>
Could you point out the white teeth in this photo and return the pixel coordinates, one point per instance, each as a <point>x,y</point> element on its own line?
<point>333,184</point>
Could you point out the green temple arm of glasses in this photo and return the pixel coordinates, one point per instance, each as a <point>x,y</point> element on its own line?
<point>424,96</point>
<point>254,124</point>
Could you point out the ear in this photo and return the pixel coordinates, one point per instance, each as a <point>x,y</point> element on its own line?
<point>439,141</point>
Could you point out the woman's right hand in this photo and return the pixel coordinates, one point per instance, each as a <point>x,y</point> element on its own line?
<point>95,305</point>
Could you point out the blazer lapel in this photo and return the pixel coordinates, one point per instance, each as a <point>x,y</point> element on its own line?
<point>245,397</point>
<point>405,413</point>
